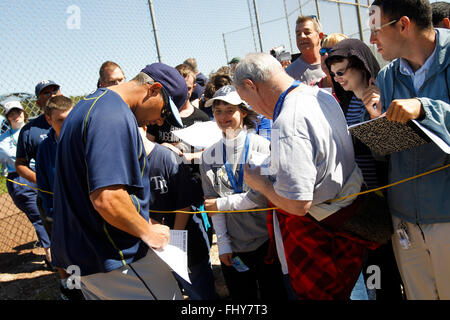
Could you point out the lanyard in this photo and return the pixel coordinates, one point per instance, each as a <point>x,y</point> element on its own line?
<point>237,185</point>
<point>280,101</point>
<point>12,137</point>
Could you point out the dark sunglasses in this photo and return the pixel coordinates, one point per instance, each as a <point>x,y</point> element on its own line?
<point>339,73</point>
<point>324,50</point>
<point>165,111</point>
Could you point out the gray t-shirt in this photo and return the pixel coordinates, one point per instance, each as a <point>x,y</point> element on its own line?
<point>314,156</point>
<point>305,72</point>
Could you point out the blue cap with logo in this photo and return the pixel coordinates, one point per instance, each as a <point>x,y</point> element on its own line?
<point>174,85</point>
<point>44,84</point>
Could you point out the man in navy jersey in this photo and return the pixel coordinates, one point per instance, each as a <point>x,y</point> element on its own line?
<point>101,226</point>
<point>30,136</point>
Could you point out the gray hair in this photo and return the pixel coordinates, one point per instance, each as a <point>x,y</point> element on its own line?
<point>257,67</point>
<point>143,78</point>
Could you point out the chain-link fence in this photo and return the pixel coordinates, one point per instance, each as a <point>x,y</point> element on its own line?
<point>277,24</point>
<point>67,41</point>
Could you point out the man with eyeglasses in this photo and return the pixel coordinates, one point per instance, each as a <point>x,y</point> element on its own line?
<point>102,189</point>
<point>307,67</point>
<point>415,86</point>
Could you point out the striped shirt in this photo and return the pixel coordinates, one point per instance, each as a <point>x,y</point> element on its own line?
<point>365,162</point>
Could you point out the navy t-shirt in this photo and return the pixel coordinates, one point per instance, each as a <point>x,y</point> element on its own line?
<point>33,133</point>
<point>173,188</point>
<point>45,170</point>
<point>99,146</point>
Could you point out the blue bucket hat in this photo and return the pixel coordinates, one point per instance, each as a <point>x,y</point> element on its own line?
<point>174,88</point>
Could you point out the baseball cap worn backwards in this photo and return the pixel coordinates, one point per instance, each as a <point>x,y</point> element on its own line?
<point>174,87</point>
<point>228,94</point>
<point>44,84</point>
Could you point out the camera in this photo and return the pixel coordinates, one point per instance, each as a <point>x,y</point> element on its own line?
<point>280,53</point>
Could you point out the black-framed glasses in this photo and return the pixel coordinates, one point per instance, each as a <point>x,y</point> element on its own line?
<point>339,73</point>
<point>166,111</point>
<point>324,51</point>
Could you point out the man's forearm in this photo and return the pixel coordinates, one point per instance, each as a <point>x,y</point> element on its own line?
<point>24,171</point>
<point>295,207</point>
<point>115,206</point>
<point>181,219</point>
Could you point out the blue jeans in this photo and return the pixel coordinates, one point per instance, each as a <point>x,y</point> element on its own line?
<point>202,286</point>
<point>25,199</point>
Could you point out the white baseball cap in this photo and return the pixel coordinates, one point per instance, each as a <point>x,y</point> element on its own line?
<point>228,94</point>
<point>12,105</point>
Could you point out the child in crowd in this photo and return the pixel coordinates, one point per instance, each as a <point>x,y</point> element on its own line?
<point>56,111</point>
<point>243,238</point>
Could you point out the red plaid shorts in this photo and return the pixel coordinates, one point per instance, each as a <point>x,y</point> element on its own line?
<point>323,265</point>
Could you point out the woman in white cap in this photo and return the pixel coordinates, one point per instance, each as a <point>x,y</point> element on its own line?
<point>242,238</point>
<point>23,196</point>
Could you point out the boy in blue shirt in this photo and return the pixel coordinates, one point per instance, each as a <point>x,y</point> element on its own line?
<point>56,111</point>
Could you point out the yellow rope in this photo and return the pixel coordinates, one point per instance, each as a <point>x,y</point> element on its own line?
<point>265,209</point>
<point>25,185</point>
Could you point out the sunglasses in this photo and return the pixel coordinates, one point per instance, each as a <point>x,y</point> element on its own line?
<point>339,73</point>
<point>324,51</point>
<point>166,111</point>
<point>48,93</point>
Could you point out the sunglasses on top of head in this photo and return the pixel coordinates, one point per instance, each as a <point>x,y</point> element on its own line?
<point>324,51</point>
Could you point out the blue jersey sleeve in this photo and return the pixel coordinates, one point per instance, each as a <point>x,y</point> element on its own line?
<point>43,182</point>
<point>113,150</point>
<point>22,151</point>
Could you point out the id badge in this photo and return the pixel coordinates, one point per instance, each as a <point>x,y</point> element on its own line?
<point>403,238</point>
<point>239,265</point>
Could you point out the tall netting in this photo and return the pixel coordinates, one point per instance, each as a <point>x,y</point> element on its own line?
<point>64,41</point>
<point>67,41</point>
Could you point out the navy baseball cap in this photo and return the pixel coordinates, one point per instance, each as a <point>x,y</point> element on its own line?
<point>44,84</point>
<point>174,89</point>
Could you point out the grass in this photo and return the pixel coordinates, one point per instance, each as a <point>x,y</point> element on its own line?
<point>3,185</point>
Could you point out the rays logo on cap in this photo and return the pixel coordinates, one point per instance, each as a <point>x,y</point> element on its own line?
<point>227,90</point>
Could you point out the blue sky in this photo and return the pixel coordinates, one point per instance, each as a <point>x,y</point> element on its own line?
<point>36,43</point>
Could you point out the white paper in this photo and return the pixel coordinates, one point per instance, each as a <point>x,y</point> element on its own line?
<point>440,143</point>
<point>175,253</point>
<point>200,135</point>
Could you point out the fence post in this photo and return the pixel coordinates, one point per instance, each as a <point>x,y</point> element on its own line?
<point>340,17</point>
<point>317,10</point>
<point>300,7</point>
<point>257,25</point>
<point>288,27</point>
<point>358,11</point>
<point>155,31</point>
<point>225,45</point>
<point>251,24</point>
